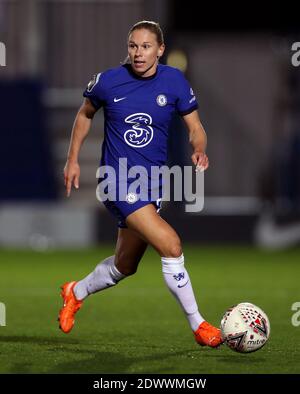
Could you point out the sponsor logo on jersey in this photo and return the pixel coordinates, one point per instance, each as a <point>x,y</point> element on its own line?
<point>161,100</point>
<point>141,133</point>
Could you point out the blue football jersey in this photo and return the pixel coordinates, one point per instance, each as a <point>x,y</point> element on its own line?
<point>138,112</point>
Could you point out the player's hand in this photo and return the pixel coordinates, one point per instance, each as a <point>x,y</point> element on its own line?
<point>71,175</point>
<point>200,160</point>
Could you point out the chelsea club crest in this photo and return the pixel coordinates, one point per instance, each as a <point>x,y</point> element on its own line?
<point>161,100</point>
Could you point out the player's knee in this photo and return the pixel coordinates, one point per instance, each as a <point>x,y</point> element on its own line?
<point>173,248</point>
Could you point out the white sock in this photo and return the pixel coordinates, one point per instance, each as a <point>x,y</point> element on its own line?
<point>104,275</point>
<point>178,281</point>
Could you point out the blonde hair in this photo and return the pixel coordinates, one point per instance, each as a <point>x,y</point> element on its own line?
<point>151,26</point>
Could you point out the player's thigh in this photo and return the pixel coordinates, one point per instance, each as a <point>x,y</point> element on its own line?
<point>155,230</point>
<point>130,248</point>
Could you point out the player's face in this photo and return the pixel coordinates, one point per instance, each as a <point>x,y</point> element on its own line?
<point>144,52</point>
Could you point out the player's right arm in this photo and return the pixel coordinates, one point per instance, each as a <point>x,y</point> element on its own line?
<point>80,130</point>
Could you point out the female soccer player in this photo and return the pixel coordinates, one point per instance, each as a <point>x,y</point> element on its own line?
<point>138,98</point>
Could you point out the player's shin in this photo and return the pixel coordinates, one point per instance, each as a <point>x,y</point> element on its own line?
<point>179,283</point>
<point>104,275</point>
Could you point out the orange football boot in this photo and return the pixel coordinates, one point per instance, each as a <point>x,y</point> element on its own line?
<point>71,306</point>
<point>208,335</point>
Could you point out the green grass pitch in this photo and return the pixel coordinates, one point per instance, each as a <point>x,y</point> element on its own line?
<point>137,326</point>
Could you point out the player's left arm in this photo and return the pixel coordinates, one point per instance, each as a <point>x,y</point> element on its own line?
<point>198,140</point>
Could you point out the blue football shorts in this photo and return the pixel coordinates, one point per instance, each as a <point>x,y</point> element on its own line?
<point>121,209</point>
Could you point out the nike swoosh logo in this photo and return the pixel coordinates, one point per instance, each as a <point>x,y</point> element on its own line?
<point>183,285</point>
<point>119,99</point>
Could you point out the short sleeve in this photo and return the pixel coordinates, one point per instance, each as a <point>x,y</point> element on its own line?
<point>186,101</point>
<point>95,91</point>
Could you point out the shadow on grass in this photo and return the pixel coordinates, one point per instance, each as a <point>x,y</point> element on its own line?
<point>109,362</point>
<point>243,359</point>
<point>94,362</point>
<point>232,357</point>
<point>66,355</point>
<point>37,340</point>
